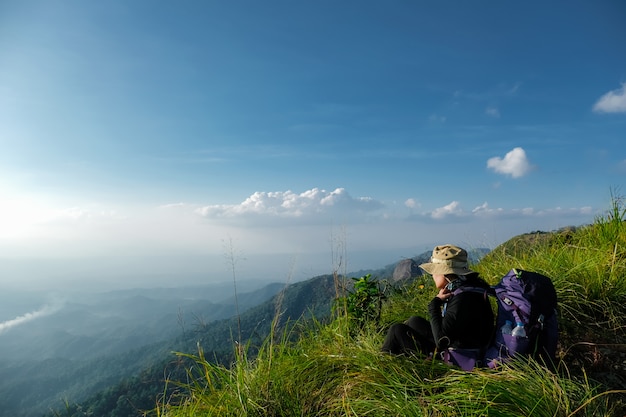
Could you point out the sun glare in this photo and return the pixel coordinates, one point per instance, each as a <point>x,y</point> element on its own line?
<point>20,218</point>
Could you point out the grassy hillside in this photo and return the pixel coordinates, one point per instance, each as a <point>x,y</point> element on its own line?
<point>336,369</point>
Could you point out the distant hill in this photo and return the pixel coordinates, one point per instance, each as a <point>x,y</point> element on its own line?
<point>386,272</point>
<point>218,340</point>
<point>96,340</point>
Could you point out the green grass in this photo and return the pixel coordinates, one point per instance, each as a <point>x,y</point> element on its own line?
<point>333,371</point>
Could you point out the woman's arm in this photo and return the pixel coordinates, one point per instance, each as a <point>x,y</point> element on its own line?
<point>436,322</point>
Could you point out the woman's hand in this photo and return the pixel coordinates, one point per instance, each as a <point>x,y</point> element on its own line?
<point>444,294</point>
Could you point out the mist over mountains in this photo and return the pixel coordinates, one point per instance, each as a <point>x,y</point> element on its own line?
<point>86,325</point>
<point>55,348</point>
<point>52,343</point>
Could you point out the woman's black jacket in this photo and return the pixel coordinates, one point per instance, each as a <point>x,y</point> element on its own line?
<point>465,320</point>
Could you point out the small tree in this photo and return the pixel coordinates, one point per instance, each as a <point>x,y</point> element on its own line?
<point>365,301</point>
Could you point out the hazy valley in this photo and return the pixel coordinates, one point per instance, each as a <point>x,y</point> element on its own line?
<point>53,347</point>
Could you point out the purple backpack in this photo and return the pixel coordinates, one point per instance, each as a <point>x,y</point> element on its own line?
<point>528,300</point>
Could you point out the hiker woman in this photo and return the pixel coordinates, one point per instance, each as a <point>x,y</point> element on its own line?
<point>461,319</point>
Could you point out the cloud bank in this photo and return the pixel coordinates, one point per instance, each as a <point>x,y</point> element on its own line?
<point>282,209</point>
<point>146,245</point>
<point>454,212</point>
<point>310,205</point>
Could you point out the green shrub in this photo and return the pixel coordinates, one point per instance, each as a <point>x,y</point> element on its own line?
<point>364,302</point>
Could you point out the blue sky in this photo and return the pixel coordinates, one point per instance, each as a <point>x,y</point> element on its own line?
<point>151,138</point>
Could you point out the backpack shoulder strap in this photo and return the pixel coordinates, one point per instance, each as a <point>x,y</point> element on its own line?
<point>479,290</point>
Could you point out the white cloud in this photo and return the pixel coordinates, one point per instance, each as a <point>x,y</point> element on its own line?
<point>44,311</point>
<point>412,203</point>
<point>453,212</point>
<point>492,112</point>
<point>452,209</point>
<point>484,211</point>
<point>612,102</point>
<point>172,205</point>
<point>309,206</point>
<point>514,163</point>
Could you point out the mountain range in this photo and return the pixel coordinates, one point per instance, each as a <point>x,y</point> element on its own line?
<point>109,353</point>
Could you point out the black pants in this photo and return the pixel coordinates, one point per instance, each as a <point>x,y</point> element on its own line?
<point>414,335</point>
